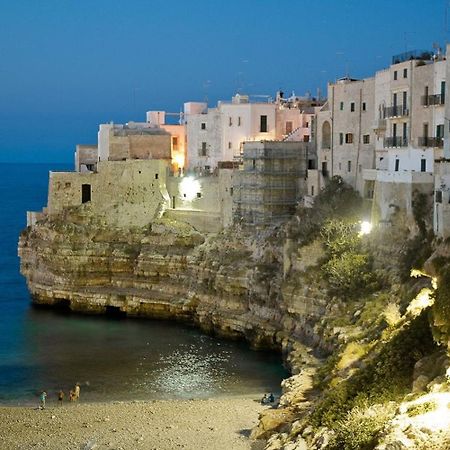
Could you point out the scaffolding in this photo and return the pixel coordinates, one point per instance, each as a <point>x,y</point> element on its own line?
<point>268,188</point>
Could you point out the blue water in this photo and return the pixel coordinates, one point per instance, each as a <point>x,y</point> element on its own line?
<point>111,359</point>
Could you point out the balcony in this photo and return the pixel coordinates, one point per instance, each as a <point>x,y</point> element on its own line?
<point>426,141</point>
<point>395,141</point>
<point>395,111</point>
<point>433,100</point>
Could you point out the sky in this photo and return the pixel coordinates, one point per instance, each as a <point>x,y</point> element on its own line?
<point>68,65</point>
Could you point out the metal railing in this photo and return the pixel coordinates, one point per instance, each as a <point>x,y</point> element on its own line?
<point>395,111</point>
<point>433,100</point>
<point>427,141</point>
<point>414,54</point>
<point>395,141</point>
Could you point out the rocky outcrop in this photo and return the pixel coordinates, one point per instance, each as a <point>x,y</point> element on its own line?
<point>263,286</point>
<point>224,284</point>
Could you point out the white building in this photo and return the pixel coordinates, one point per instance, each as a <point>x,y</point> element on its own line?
<point>217,134</point>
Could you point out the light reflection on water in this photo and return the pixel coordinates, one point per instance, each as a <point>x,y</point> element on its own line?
<point>132,359</point>
<point>112,360</point>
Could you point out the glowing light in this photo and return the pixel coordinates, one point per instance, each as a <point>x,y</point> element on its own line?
<point>179,161</point>
<point>416,273</point>
<point>423,300</point>
<point>435,420</point>
<point>366,228</point>
<point>189,188</point>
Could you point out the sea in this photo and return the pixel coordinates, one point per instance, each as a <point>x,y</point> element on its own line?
<point>113,359</point>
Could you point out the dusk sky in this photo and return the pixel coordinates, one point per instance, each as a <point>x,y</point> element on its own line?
<point>68,65</point>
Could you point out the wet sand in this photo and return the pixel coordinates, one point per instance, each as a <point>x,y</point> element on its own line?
<point>211,424</point>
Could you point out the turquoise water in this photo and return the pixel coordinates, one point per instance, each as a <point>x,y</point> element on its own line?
<point>112,359</point>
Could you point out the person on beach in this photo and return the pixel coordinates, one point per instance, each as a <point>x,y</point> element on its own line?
<point>60,397</point>
<point>77,392</point>
<point>71,396</point>
<point>42,398</point>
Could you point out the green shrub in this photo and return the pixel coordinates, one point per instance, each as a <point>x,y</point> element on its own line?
<point>359,429</point>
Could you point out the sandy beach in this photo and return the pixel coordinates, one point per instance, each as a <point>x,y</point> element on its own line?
<point>223,423</point>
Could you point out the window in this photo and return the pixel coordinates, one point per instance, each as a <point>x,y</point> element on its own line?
<point>203,126</point>
<point>175,142</point>
<point>341,138</point>
<point>231,191</point>
<point>85,193</point>
<point>263,124</point>
<point>67,185</point>
<point>395,74</point>
<point>438,196</point>
<point>366,139</point>
<point>156,176</point>
<point>349,166</point>
<point>199,195</point>
<point>349,138</point>
<point>341,106</point>
<point>239,121</point>
<point>230,121</point>
<point>340,166</point>
<point>288,127</point>
<point>312,191</point>
<point>405,73</point>
<point>305,138</point>
<point>307,125</point>
<point>405,130</point>
<point>440,131</point>
<point>423,165</point>
<point>405,97</point>
<point>364,106</point>
<point>324,169</point>
<point>352,107</point>
<point>229,145</point>
<point>203,150</point>
<point>397,165</point>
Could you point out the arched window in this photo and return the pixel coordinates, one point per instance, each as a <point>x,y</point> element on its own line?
<point>326,135</point>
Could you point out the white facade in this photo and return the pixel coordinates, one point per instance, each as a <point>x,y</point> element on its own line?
<point>217,134</point>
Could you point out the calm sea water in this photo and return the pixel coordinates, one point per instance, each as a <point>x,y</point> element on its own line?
<point>111,359</point>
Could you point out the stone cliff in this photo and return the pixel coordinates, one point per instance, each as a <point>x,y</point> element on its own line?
<point>313,287</point>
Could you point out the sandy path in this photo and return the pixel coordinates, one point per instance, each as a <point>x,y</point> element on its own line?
<point>194,424</point>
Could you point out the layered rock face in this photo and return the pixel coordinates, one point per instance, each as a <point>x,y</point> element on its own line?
<point>167,270</point>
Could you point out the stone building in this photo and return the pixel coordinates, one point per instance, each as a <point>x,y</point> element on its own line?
<point>345,135</point>
<point>409,125</point>
<point>177,135</point>
<point>117,142</point>
<point>441,212</point>
<point>86,158</point>
<point>217,135</point>
<point>271,183</point>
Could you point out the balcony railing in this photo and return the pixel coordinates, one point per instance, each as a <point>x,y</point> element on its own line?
<point>433,100</point>
<point>396,141</point>
<point>431,142</point>
<point>395,111</point>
